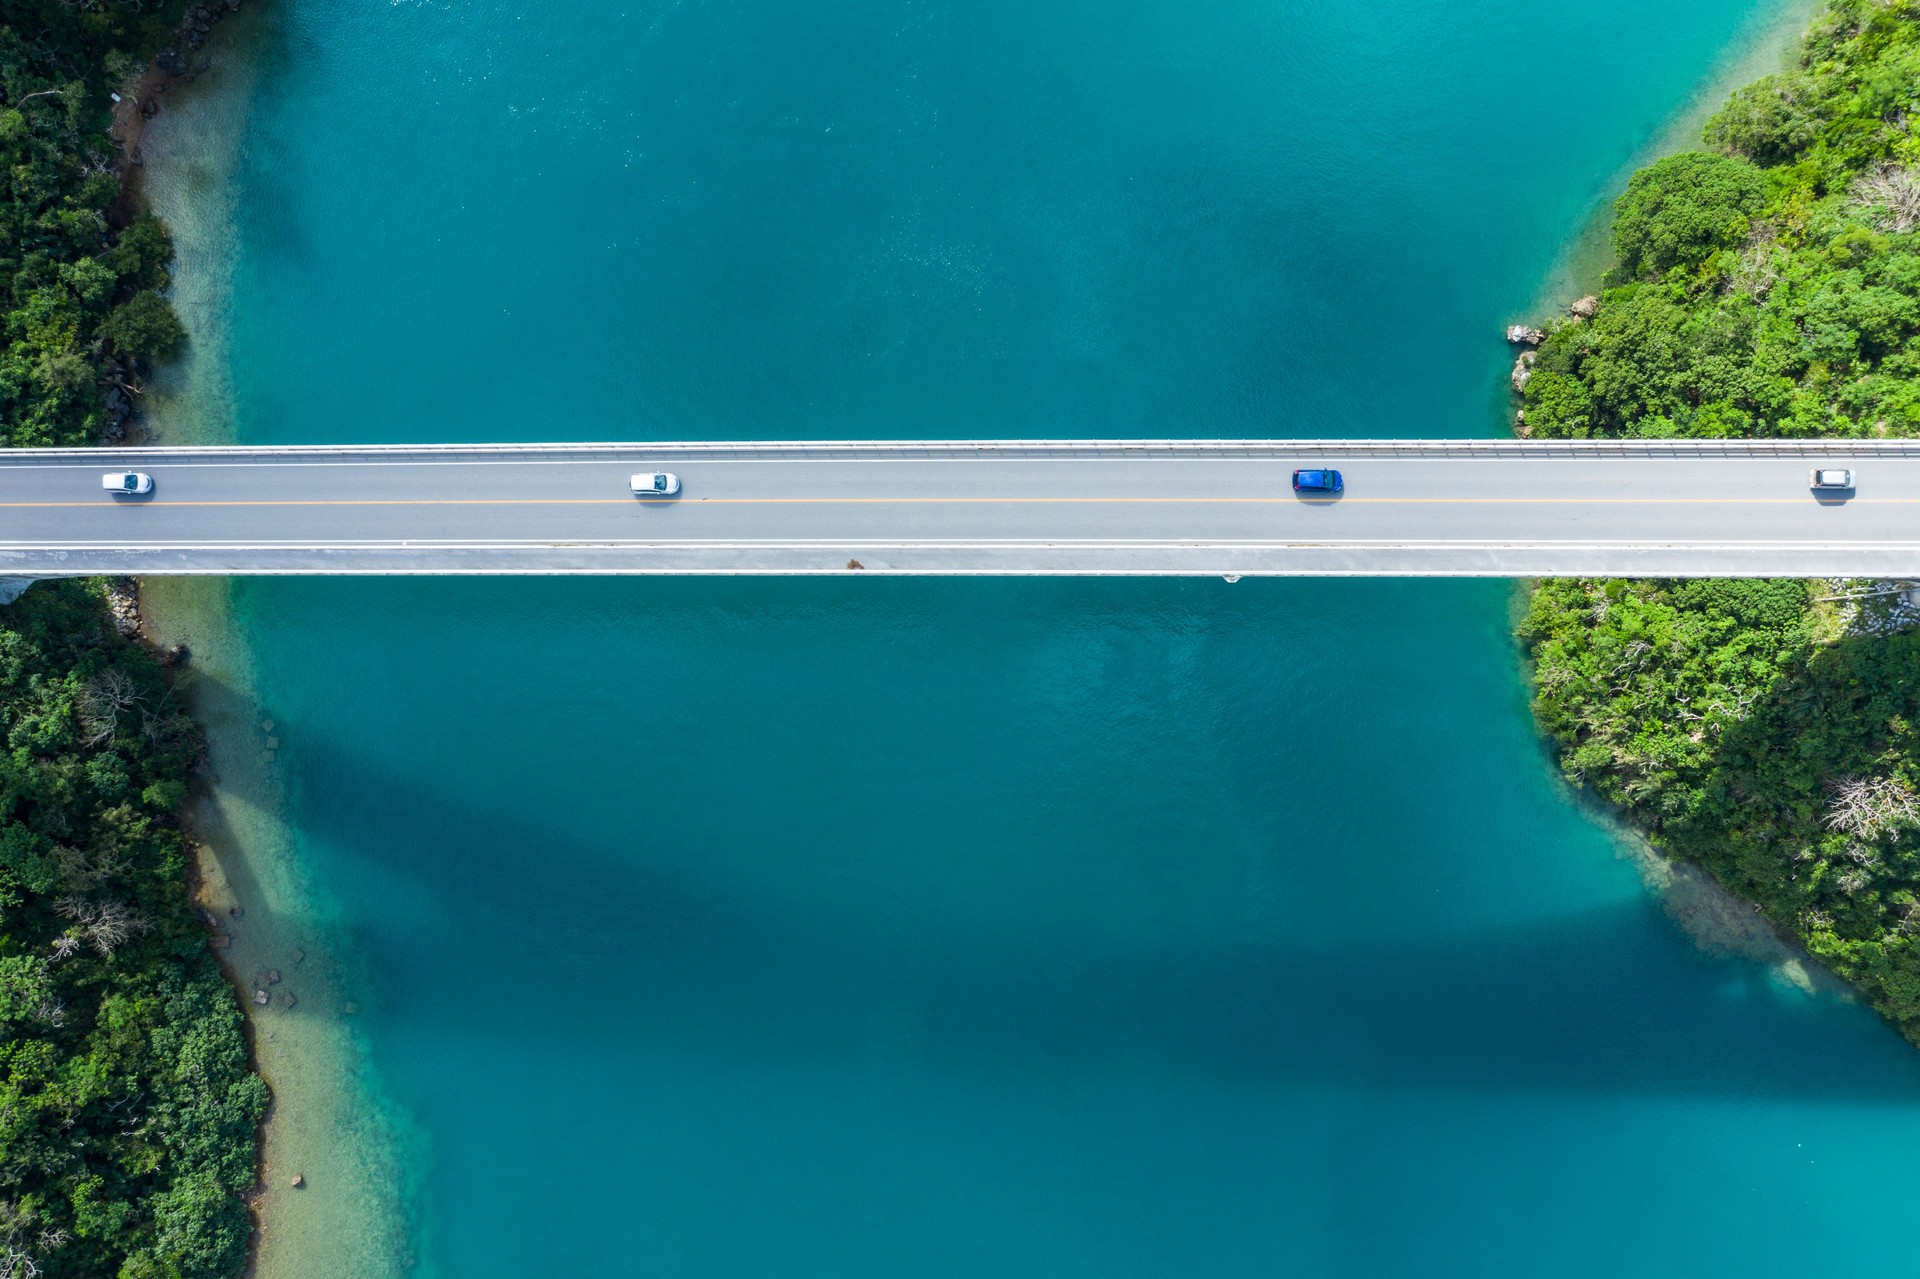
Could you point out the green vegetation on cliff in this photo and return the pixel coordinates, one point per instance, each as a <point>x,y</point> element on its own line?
<point>128,1112</point>
<point>81,295</point>
<point>127,1109</point>
<point>1742,725</point>
<point>1769,286</point>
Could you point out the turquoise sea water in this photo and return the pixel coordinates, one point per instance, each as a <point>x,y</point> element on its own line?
<point>974,927</point>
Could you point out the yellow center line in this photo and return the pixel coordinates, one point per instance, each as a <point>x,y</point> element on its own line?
<point>978,501</point>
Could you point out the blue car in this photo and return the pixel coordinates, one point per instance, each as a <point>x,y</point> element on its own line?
<point>1317,482</point>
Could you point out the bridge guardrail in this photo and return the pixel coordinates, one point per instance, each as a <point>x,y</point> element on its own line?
<point>651,450</point>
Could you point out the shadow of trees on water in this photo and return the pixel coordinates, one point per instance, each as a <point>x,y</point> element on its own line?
<point>529,929</point>
<point>1762,814</point>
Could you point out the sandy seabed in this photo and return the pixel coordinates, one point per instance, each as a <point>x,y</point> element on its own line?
<point>328,1124</point>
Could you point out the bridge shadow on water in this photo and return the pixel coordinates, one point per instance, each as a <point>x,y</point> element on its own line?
<point>533,932</point>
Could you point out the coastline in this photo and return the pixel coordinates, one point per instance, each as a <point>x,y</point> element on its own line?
<point>273,933</point>
<point>1746,727</point>
<point>1718,920</point>
<point>1768,46</point>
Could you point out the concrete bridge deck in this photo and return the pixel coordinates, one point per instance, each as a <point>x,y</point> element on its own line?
<point>1494,508</point>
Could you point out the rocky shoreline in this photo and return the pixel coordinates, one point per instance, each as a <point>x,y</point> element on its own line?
<point>1528,338</point>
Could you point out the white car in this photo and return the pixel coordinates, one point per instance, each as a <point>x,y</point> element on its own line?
<point>655,484</point>
<point>127,482</point>
<point>1831,479</point>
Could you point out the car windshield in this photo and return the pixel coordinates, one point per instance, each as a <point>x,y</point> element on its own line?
<point>129,481</point>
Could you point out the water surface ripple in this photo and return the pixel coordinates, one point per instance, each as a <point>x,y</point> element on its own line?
<point>876,927</point>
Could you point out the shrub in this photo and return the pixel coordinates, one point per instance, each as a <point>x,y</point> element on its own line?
<point>1682,210</point>
<point>145,326</point>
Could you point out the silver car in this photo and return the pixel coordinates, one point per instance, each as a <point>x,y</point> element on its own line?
<point>656,484</point>
<point>118,482</point>
<point>1830,480</point>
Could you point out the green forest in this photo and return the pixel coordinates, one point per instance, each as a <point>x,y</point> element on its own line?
<point>128,1111</point>
<point>83,301</point>
<point>1767,285</point>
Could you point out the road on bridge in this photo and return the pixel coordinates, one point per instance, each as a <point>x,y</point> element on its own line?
<point>1486,508</point>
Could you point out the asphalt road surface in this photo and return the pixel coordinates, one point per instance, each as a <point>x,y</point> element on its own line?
<point>1468,508</point>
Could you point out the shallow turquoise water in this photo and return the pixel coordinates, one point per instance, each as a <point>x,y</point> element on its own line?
<point>992,927</point>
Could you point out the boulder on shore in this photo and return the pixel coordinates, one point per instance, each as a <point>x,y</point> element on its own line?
<point>1524,335</point>
<point>1586,308</point>
<point>1523,370</point>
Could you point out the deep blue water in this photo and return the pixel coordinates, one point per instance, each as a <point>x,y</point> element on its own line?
<point>974,927</point>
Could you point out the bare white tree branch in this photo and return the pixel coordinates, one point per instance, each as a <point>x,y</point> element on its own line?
<point>1869,807</point>
<point>1891,194</point>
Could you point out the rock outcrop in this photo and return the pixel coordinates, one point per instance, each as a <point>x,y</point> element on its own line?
<point>123,601</point>
<point>1523,370</point>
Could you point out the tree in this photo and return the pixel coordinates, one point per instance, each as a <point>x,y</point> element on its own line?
<point>145,326</point>
<point>1681,210</point>
<point>1766,122</point>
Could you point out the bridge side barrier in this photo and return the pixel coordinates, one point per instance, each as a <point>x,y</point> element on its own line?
<point>648,451</point>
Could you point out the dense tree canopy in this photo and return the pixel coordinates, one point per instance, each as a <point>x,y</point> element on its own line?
<point>127,1109</point>
<point>128,1112</point>
<point>77,290</point>
<point>1771,287</point>
<point>1680,211</point>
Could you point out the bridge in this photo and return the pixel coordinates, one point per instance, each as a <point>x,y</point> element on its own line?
<point>1492,508</point>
